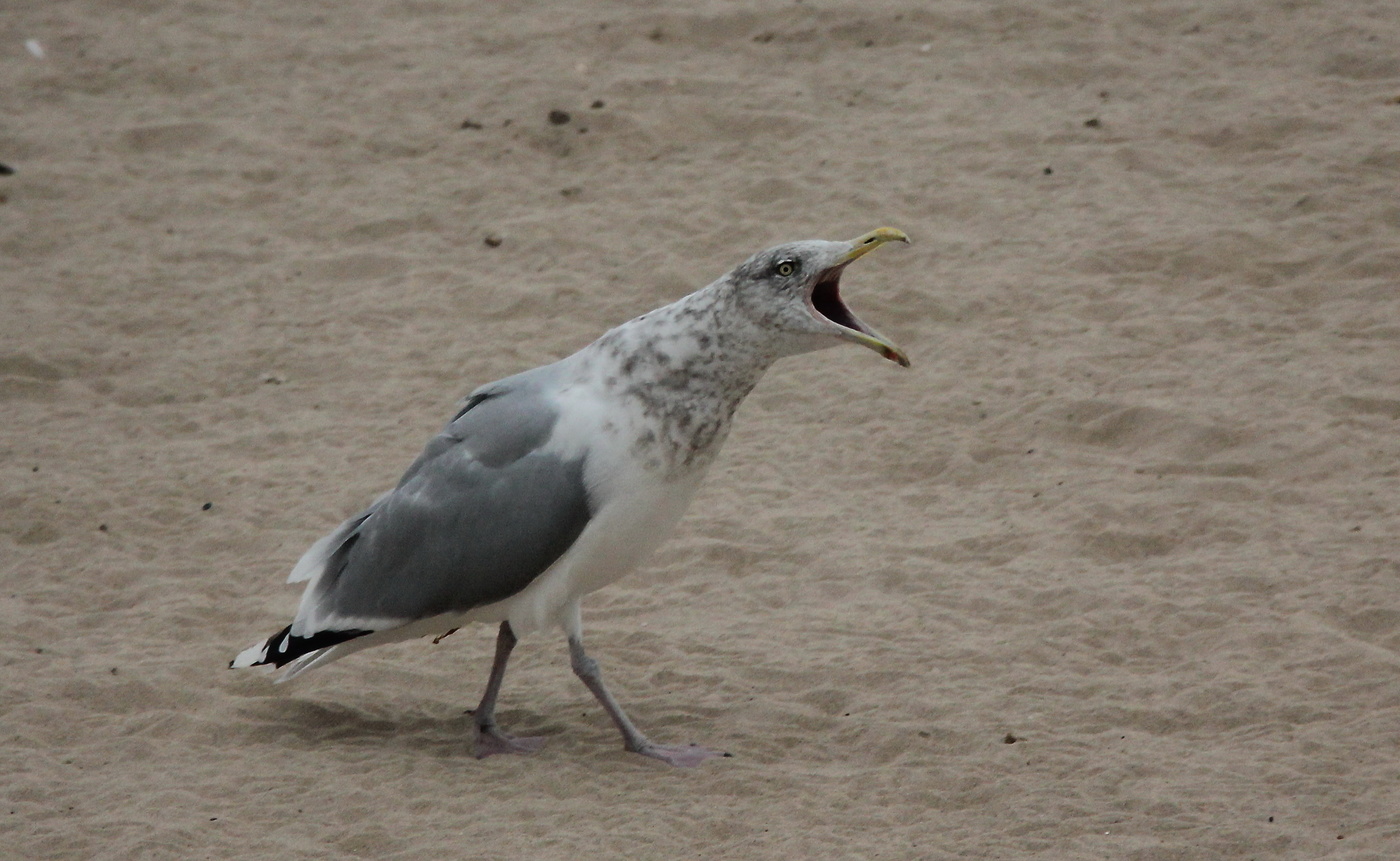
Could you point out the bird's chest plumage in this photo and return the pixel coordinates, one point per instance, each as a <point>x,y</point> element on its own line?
<point>650,440</point>
<point>634,506</point>
<point>676,432</point>
<point>672,397</point>
<point>645,410</point>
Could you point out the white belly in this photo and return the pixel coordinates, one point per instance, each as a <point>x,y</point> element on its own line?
<point>638,507</point>
<point>618,539</point>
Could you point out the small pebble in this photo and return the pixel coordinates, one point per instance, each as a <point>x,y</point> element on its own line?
<point>493,240</point>
<point>558,117</point>
<point>6,170</point>
<point>598,104</point>
<point>471,124</point>
<point>1092,122</point>
<point>206,506</point>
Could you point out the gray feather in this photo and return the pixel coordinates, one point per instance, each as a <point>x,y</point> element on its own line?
<point>479,515</point>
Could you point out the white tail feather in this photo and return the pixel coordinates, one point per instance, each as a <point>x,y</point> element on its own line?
<point>250,656</point>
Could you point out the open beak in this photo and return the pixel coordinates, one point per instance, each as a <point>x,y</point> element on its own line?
<point>825,298</point>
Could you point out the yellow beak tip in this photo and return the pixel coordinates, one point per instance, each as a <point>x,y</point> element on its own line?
<point>862,245</point>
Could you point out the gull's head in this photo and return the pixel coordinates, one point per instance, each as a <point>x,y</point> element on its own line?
<point>795,289</point>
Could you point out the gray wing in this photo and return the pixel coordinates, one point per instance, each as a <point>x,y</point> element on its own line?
<point>479,515</point>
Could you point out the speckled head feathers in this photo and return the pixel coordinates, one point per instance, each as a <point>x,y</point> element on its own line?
<point>794,289</point>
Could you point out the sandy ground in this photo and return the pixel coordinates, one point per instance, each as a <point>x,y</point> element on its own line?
<point>1111,573</point>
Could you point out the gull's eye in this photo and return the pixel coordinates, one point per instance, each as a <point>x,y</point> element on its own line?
<point>785,268</point>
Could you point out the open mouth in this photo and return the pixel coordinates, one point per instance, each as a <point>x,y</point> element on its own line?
<point>824,299</point>
<point>827,304</point>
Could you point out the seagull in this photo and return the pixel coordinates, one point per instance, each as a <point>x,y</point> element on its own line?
<point>555,482</point>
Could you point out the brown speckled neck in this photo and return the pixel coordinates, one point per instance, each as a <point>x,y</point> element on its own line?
<point>686,367</point>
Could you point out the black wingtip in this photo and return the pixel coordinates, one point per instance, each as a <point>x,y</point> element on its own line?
<point>284,647</point>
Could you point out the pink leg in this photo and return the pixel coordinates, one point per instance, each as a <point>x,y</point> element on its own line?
<point>489,738</point>
<point>682,755</point>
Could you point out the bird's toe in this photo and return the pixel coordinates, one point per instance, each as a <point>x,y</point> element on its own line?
<point>490,742</point>
<point>680,755</point>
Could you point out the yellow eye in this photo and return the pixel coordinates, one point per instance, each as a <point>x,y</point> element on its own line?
<point>785,268</point>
